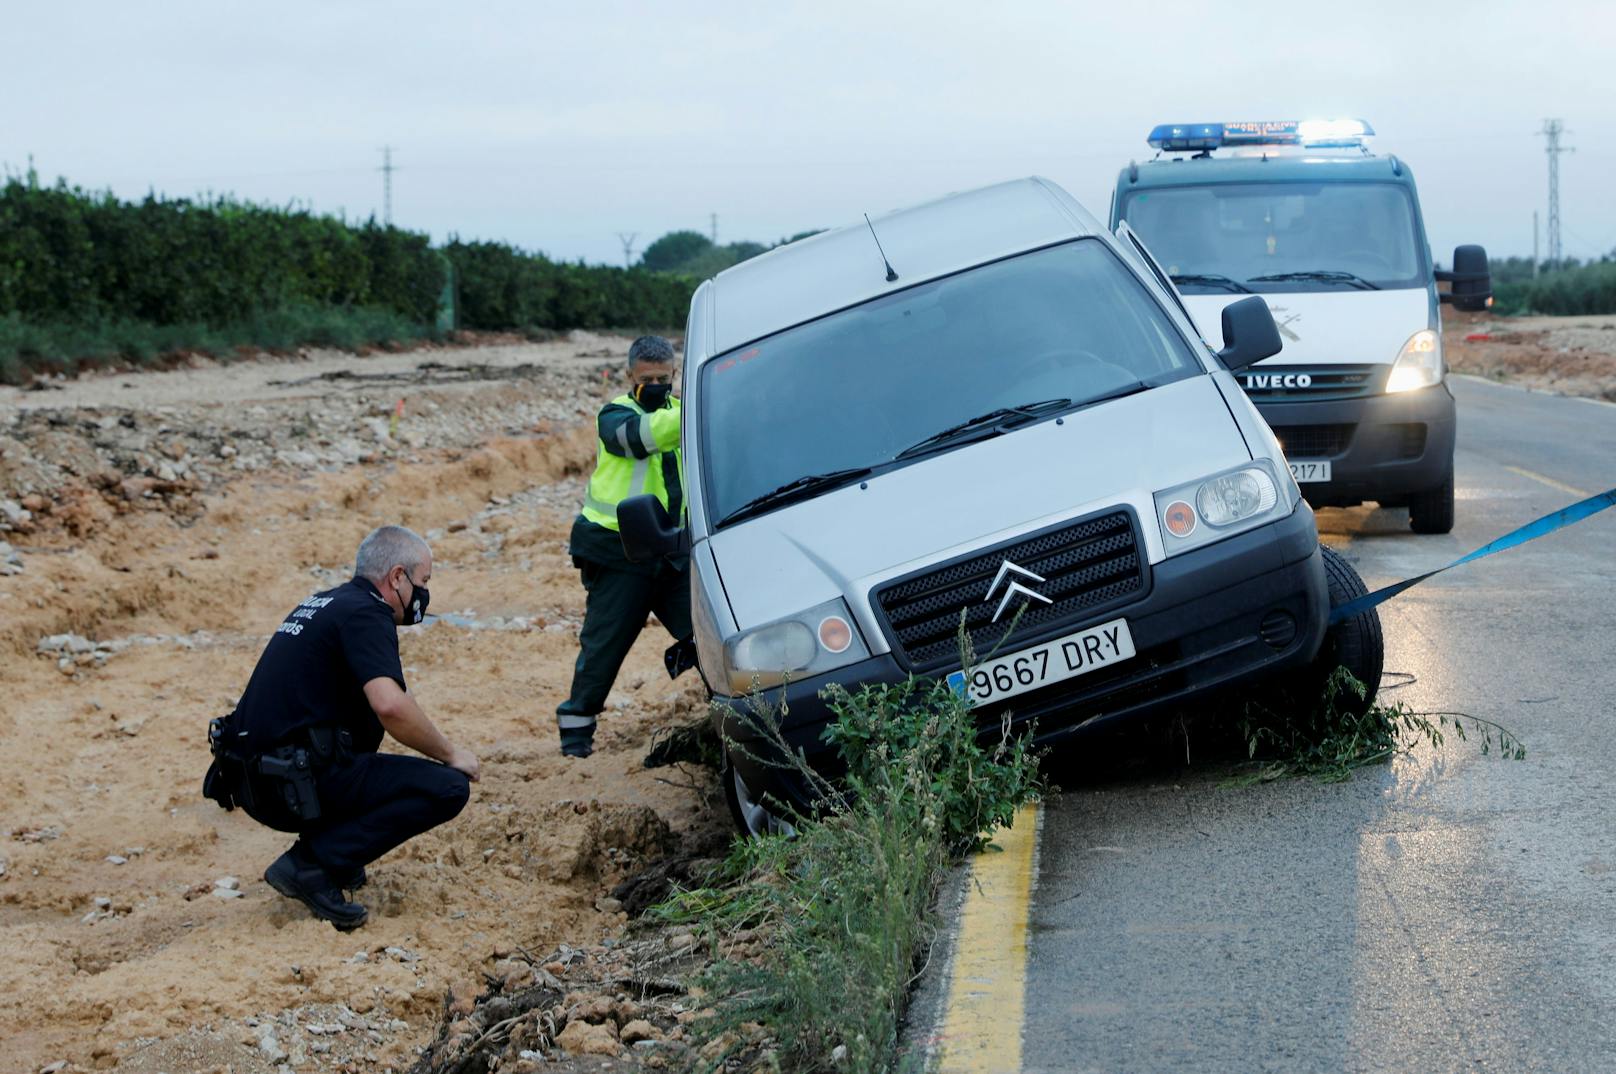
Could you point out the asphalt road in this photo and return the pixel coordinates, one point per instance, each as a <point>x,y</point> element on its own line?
<point>1446,912</point>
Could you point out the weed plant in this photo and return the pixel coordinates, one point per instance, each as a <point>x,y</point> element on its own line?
<point>1338,733</point>
<point>846,899</point>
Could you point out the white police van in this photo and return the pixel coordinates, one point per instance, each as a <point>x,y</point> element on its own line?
<point>1004,415</point>
<point>1331,236</point>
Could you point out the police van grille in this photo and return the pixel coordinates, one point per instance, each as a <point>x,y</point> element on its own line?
<point>1314,441</point>
<point>1269,385</point>
<point>1087,566</point>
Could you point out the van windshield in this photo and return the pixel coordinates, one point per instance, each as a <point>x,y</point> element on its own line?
<point>1067,325</point>
<point>1279,236</point>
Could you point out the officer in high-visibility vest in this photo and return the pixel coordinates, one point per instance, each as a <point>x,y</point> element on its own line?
<point>638,453</point>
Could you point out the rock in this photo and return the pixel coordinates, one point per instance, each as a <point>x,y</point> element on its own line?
<point>229,883</point>
<point>226,893</point>
<point>838,1055</point>
<point>582,1038</point>
<point>103,903</point>
<point>639,1030</point>
<point>14,514</point>
<point>608,905</point>
<point>270,1046</point>
<point>116,859</point>
<point>54,1068</point>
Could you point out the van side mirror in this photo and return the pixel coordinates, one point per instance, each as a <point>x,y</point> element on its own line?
<point>1249,333</point>
<point>647,531</point>
<point>1471,280</point>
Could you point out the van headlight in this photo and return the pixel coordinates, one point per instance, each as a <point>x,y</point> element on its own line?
<point>1220,506</point>
<point>815,641</point>
<point>1419,363</point>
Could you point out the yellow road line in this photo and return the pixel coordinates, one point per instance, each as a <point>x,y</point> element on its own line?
<point>981,1026</point>
<point>1549,481</point>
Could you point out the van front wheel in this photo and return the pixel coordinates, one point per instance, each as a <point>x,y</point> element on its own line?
<point>1355,644</point>
<point>750,812</point>
<point>1431,511</point>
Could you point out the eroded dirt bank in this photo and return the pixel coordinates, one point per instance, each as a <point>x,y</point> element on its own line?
<point>167,526</point>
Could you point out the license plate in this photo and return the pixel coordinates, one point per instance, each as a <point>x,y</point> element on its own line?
<point>1053,661</point>
<point>1305,471</point>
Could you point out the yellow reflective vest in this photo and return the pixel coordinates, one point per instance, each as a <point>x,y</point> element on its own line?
<point>638,453</point>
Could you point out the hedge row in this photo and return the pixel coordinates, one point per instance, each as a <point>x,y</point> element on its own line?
<point>68,257</point>
<point>1586,289</point>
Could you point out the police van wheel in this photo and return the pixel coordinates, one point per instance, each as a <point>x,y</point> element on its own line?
<point>1432,511</point>
<point>1357,643</point>
<point>752,816</point>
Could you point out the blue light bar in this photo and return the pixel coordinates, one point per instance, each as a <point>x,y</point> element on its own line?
<point>1321,133</point>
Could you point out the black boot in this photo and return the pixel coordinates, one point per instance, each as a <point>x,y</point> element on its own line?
<point>351,881</point>
<point>297,876</point>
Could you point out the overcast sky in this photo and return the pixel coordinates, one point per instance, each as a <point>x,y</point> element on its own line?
<point>558,125</point>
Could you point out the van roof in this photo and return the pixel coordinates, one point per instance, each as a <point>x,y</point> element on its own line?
<point>836,269</point>
<point>1255,167</point>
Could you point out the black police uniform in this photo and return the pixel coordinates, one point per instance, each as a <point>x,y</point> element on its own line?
<point>305,710</point>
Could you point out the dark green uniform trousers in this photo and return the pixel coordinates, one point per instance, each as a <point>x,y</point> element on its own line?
<point>621,595</point>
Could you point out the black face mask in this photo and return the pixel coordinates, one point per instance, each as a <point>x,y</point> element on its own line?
<point>653,396</point>
<point>415,610</point>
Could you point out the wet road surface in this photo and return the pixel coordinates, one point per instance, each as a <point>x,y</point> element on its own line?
<point>1447,912</point>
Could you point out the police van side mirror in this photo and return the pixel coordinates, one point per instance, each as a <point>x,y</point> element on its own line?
<point>1249,333</point>
<point>1471,279</point>
<point>647,531</point>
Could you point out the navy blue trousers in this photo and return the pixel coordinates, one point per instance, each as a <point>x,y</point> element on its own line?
<point>376,802</point>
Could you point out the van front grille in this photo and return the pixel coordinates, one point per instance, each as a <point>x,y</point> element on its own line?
<point>1086,567</point>
<point>1281,384</point>
<point>1313,441</point>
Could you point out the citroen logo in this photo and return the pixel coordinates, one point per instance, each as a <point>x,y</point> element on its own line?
<point>1284,325</point>
<point>1006,570</point>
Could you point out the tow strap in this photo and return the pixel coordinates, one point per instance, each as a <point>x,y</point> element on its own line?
<point>1557,520</point>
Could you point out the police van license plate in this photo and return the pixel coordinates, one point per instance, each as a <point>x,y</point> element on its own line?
<point>1311,471</point>
<point>1054,661</point>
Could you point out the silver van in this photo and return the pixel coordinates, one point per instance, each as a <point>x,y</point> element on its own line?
<point>986,404</point>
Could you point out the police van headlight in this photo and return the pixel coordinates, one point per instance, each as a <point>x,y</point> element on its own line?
<point>1419,363</point>
<point>818,640</point>
<point>1221,506</point>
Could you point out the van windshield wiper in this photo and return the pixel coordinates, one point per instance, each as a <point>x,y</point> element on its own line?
<point>982,422</point>
<point>793,490</point>
<point>1210,279</point>
<point>1329,275</point>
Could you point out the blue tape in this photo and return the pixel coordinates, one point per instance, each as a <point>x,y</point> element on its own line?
<point>1547,524</point>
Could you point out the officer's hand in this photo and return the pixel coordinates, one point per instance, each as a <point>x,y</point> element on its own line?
<point>466,762</point>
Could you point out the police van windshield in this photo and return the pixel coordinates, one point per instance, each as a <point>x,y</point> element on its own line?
<point>1067,325</point>
<point>1279,236</point>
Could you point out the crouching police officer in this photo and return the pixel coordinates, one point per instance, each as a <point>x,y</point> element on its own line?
<point>638,454</point>
<point>298,754</point>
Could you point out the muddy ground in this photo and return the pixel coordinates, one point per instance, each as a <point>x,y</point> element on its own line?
<point>1563,355</point>
<point>159,527</point>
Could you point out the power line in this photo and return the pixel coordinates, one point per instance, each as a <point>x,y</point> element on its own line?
<point>1552,129</point>
<point>387,169</point>
<point>628,246</point>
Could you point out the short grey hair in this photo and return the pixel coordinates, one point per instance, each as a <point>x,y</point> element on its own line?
<point>649,349</point>
<point>388,547</point>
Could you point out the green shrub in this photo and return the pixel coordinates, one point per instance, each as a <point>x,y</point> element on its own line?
<point>847,899</point>
<point>86,278</point>
<point>1582,290</point>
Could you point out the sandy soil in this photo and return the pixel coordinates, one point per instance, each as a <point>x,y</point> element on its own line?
<point>169,525</point>
<point>1563,355</point>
